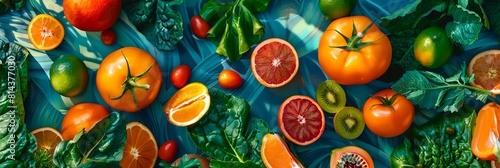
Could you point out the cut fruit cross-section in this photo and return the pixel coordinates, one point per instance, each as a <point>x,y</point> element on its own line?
<point>188,105</point>
<point>486,68</point>
<point>47,139</point>
<point>275,153</point>
<point>141,149</point>
<point>45,32</point>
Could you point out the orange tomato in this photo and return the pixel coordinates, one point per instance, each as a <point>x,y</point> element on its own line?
<point>82,116</point>
<point>388,114</point>
<point>118,88</point>
<point>486,137</point>
<point>359,62</point>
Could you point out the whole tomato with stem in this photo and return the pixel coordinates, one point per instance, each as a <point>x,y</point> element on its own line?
<point>82,116</point>
<point>129,79</point>
<point>352,50</point>
<point>388,114</point>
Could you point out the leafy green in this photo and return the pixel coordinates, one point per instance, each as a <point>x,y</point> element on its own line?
<point>236,28</point>
<point>13,76</point>
<point>402,48</point>
<point>185,162</point>
<point>409,16</point>
<point>101,146</point>
<point>157,20</point>
<point>43,159</point>
<point>466,25</point>
<point>492,8</point>
<point>227,134</point>
<point>11,5</point>
<point>432,91</point>
<point>431,145</point>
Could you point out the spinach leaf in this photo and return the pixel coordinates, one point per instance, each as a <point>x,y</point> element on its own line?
<point>434,145</point>
<point>432,91</point>
<point>237,28</point>
<point>409,16</point>
<point>102,145</point>
<point>402,49</point>
<point>157,20</point>
<point>466,25</point>
<point>11,5</point>
<point>227,133</point>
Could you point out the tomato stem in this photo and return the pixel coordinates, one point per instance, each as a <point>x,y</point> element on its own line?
<point>354,43</point>
<point>387,102</point>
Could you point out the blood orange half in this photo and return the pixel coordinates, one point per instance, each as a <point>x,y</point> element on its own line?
<point>301,120</point>
<point>274,62</point>
<point>486,67</point>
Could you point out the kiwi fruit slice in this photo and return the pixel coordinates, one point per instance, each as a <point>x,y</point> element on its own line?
<point>349,123</point>
<point>330,96</point>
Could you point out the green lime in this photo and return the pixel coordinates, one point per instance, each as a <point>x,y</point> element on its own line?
<point>334,9</point>
<point>433,48</point>
<point>68,75</point>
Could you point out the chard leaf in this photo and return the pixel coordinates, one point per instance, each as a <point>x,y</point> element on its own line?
<point>227,134</point>
<point>99,146</point>
<point>466,25</point>
<point>492,9</point>
<point>410,16</point>
<point>214,10</point>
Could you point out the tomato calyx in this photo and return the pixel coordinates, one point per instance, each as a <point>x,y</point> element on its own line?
<point>130,83</point>
<point>354,43</point>
<point>387,102</point>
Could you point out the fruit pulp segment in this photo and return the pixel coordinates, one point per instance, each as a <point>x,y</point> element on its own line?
<point>275,63</point>
<point>139,148</point>
<point>46,31</point>
<point>277,154</point>
<point>487,71</point>
<point>186,94</point>
<point>188,112</point>
<point>302,119</point>
<point>47,140</point>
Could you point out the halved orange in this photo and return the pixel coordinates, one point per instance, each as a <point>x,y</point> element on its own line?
<point>274,62</point>
<point>47,139</point>
<point>486,67</point>
<point>141,149</point>
<point>275,152</point>
<point>45,32</point>
<point>188,105</point>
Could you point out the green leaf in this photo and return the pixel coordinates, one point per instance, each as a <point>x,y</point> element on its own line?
<point>227,133</point>
<point>476,6</point>
<point>432,91</point>
<point>103,143</point>
<point>466,25</point>
<point>214,10</point>
<point>409,16</point>
<point>256,6</point>
<point>403,156</point>
<point>402,49</point>
<point>463,3</point>
<point>248,164</point>
<point>43,159</point>
<point>492,9</point>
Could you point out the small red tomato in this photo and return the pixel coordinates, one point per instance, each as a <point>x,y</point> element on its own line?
<point>199,26</point>
<point>229,79</point>
<point>167,150</point>
<point>180,76</point>
<point>108,37</point>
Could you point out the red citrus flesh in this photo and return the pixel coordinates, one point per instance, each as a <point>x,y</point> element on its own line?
<point>485,66</point>
<point>274,62</point>
<point>301,120</point>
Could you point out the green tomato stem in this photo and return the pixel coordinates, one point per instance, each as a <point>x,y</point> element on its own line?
<point>138,85</point>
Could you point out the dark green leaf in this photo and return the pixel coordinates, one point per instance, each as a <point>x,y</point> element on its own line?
<point>214,10</point>
<point>104,143</point>
<point>402,156</point>
<point>256,6</point>
<point>217,30</point>
<point>43,159</point>
<point>185,162</point>
<point>463,3</point>
<point>229,44</point>
<point>477,8</point>
<point>113,164</point>
<point>248,164</point>
<point>402,49</point>
<point>466,25</point>
<point>409,16</point>
<point>492,9</point>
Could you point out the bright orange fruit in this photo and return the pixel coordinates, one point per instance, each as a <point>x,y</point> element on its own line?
<point>486,67</point>
<point>188,105</point>
<point>485,139</point>
<point>275,152</point>
<point>47,138</point>
<point>141,149</point>
<point>45,32</point>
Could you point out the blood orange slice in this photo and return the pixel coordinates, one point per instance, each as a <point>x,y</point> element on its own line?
<point>301,120</point>
<point>47,139</point>
<point>486,67</point>
<point>274,62</point>
<point>275,152</point>
<point>141,149</point>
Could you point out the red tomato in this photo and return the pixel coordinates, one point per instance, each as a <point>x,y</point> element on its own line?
<point>167,150</point>
<point>388,114</point>
<point>108,37</point>
<point>180,76</point>
<point>229,79</point>
<point>199,26</point>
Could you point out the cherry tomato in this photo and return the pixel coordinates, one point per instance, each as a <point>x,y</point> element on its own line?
<point>82,116</point>
<point>180,76</point>
<point>108,37</point>
<point>229,79</point>
<point>388,114</point>
<point>199,26</point>
<point>167,150</point>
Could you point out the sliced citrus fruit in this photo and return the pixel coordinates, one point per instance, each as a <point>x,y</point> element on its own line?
<point>275,152</point>
<point>274,62</point>
<point>141,149</point>
<point>45,32</point>
<point>188,105</point>
<point>301,120</point>
<point>486,67</point>
<point>47,138</point>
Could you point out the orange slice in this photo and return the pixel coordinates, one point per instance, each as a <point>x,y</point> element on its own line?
<point>275,152</point>
<point>47,138</point>
<point>486,67</point>
<point>274,62</point>
<point>188,105</point>
<point>45,32</point>
<point>141,149</point>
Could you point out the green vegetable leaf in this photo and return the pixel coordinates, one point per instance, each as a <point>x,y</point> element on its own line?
<point>218,163</point>
<point>43,159</point>
<point>214,10</point>
<point>227,134</point>
<point>157,20</point>
<point>432,146</point>
<point>402,49</point>
<point>492,9</point>
<point>102,145</point>
<point>256,6</point>
<point>476,6</point>
<point>410,16</point>
<point>185,162</point>
<point>432,91</point>
<point>466,25</point>
<point>11,5</point>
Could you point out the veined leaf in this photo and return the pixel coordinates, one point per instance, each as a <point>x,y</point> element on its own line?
<point>465,27</point>
<point>410,15</point>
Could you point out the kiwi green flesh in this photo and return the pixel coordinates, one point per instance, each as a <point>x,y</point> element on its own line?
<point>352,160</point>
<point>330,96</point>
<point>349,123</point>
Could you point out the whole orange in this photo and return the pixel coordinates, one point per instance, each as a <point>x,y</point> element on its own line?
<point>92,15</point>
<point>82,116</point>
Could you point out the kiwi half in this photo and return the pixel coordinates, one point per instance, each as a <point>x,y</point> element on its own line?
<point>330,96</point>
<point>349,123</point>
